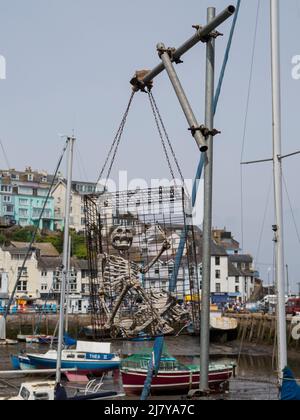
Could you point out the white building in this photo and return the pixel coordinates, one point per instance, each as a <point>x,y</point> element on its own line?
<point>41,277</point>
<point>77,217</point>
<point>49,271</point>
<point>242,275</point>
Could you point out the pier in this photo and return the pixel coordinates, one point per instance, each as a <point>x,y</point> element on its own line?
<point>261,329</point>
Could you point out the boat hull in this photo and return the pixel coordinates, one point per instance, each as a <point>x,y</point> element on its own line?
<point>84,367</point>
<point>172,382</point>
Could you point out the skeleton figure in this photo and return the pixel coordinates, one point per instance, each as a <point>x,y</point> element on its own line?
<point>121,283</point>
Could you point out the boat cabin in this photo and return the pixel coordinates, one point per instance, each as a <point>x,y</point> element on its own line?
<point>37,391</point>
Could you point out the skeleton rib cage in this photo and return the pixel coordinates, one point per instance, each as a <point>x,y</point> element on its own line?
<point>133,239</point>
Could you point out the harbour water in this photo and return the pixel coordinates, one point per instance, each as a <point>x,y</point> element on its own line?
<point>255,379</point>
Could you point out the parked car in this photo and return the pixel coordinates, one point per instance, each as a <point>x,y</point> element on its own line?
<point>293,306</point>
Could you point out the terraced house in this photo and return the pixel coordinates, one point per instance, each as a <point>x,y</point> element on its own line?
<point>22,197</point>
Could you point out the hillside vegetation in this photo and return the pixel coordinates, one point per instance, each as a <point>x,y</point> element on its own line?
<point>20,234</point>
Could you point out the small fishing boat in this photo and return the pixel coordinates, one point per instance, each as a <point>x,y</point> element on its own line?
<point>47,340</point>
<point>87,358</point>
<point>173,377</point>
<point>48,391</point>
<point>21,362</point>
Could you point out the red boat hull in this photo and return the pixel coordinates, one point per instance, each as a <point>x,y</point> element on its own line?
<point>172,382</point>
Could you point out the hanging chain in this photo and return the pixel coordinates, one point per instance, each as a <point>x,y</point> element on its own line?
<point>115,145</point>
<point>158,118</point>
<point>161,134</point>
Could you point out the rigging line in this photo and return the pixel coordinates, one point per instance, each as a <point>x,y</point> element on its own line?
<point>246,118</point>
<point>161,136</point>
<point>34,234</point>
<point>226,57</point>
<point>167,137</point>
<point>116,140</point>
<point>264,220</point>
<point>291,208</point>
<point>5,155</point>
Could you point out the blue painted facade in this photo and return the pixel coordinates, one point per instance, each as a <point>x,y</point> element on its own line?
<point>22,197</point>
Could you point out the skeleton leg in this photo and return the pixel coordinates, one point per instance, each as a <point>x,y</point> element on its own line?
<point>118,303</point>
<point>161,324</point>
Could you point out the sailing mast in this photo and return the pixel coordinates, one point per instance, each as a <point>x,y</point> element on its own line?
<point>277,165</point>
<point>71,141</point>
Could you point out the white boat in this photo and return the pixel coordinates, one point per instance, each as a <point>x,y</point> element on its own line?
<point>87,358</point>
<point>47,391</point>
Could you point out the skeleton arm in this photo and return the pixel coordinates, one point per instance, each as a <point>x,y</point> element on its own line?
<point>165,246</point>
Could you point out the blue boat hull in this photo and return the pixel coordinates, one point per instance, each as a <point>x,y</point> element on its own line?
<point>15,362</point>
<point>87,367</point>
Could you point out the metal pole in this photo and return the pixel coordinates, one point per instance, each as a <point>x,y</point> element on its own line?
<point>65,260</point>
<point>207,224</point>
<point>201,34</point>
<point>186,107</point>
<point>68,283</point>
<point>280,281</point>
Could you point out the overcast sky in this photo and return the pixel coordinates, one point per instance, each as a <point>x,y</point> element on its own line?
<point>69,63</point>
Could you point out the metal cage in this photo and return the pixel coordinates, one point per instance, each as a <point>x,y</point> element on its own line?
<point>148,218</point>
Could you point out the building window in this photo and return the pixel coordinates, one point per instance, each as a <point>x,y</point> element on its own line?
<point>217,261</point>
<point>237,280</point>
<point>44,273</point>
<point>6,188</point>
<point>7,199</point>
<point>156,271</point>
<point>218,274</point>
<point>22,286</point>
<point>218,287</point>
<point>30,177</point>
<point>82,221</point>
<point>44,287</point>
<point>237,289</point>
<point>23,202</point>
<point>22,273</point>
<point>23,212</point>
<point>170,270</point>
<point>8,209</point>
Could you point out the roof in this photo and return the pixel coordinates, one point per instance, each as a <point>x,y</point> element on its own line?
<point>50,263</point>
<point>37,177</point>
<point>233,271</point>
<point>240,258</point>
<point>15,251</point>
<point>76,186</point>
<point>46,249</point>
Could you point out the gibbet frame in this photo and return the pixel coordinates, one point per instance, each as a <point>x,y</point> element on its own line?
<point>150,217</point>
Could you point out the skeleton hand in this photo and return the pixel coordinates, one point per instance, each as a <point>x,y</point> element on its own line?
<point>166,245</point>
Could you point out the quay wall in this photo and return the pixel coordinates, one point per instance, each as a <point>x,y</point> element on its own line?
<point>26,324</point>
<point>262,329</point>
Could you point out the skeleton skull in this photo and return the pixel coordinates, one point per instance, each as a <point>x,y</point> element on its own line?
<point>122,238</point>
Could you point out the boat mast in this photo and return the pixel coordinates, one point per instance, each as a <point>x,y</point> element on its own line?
<point>68,284</point>
<point>71,141</point>
<point>277,165</point>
